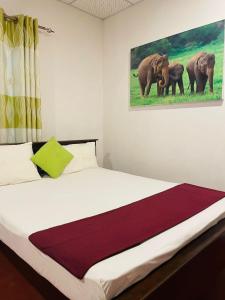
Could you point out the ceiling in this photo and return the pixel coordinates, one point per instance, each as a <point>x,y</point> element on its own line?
<point>101,8</point>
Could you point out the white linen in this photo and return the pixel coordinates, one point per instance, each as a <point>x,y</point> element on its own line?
<point>15,164</point>
<point>84,157</point>
<point>29,207</point>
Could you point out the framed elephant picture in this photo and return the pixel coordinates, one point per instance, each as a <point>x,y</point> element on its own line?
<point>183,68</point>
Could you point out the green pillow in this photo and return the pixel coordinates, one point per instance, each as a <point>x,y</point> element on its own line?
<point>52,158</point>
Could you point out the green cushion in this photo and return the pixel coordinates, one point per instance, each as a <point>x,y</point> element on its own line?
<point>52,158</point>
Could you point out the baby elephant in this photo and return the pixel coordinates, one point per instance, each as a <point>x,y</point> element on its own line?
<point>176,71</point>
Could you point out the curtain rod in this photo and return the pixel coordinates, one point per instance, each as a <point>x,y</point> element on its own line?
<point>13,18</point>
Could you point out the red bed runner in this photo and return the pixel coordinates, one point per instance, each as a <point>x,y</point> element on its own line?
<point>80,244</point>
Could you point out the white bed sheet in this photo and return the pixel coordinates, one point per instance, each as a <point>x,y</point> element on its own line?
<point>29,207</point>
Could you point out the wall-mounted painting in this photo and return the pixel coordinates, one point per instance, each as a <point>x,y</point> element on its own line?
<point>183,68</point>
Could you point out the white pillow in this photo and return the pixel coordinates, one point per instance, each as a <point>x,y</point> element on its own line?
<point>84,157</point>
<point>15,164</point>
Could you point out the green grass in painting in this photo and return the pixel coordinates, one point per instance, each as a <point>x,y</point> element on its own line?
<point>183,57</point>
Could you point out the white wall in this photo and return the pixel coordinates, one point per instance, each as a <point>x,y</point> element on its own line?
<point>71,69</point>
<point>178,144</point>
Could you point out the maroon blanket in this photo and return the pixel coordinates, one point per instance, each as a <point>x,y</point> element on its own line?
<point>79,245</point>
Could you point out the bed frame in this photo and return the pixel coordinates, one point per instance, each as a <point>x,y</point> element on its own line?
<point>155,281</point>
<point>143,289</point>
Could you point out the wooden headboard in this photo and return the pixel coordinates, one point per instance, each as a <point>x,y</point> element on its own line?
<point>37,145</point>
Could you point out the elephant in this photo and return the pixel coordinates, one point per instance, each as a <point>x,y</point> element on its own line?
<point>176,71</point>
<point>153,69</point>
<point>200,69</point>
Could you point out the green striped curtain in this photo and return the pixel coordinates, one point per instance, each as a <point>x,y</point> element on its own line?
<point>20,102</point>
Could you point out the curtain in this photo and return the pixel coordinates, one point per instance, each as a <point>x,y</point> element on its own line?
<point>20,102</point>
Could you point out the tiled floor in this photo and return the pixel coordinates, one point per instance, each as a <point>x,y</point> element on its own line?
<point>19,282</point>
<point>13,286</point>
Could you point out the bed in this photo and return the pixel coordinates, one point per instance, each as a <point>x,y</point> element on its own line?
<point>29,207</point>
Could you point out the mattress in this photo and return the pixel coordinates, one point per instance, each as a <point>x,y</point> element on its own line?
<point>29,207</point>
